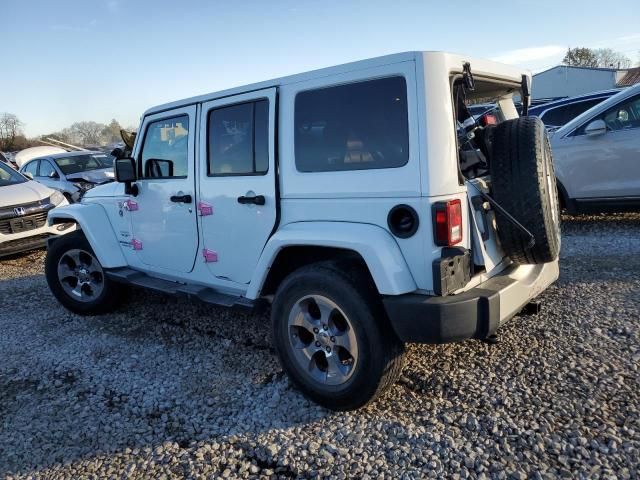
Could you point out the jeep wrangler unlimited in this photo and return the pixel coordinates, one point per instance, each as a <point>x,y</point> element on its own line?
<point>364,202</point>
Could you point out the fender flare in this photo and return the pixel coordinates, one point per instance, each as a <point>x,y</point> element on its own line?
<point>375,245</point>
<point>94,223</point>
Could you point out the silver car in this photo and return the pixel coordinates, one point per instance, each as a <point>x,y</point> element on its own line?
<point>597,156</point>
<point>72,173</point>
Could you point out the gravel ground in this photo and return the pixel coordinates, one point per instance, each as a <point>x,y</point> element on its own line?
<point>163,388</point>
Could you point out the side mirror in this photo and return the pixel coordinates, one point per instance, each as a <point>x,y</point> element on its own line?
<point>54,175</point>
<point>125,170</point>
<point>117,152</point>
<point>595,128</point>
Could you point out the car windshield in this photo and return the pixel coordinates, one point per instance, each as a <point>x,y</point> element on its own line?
<point>83,163</point>
<point>9,176</point>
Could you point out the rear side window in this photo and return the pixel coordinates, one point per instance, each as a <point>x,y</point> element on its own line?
<point>357,126</point>
<point>165,152</point>
<point>239,139</point>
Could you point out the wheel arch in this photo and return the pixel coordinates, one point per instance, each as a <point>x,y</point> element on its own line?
<point>302,243</point>
<point>96,227</point>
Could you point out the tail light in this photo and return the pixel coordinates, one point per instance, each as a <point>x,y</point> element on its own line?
<point>447,219</point>
<point>488,119</point>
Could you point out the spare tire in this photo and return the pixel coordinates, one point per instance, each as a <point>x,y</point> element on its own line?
<point>524,184</point>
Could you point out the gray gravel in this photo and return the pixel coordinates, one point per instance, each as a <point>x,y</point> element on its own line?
<point>167,388</point>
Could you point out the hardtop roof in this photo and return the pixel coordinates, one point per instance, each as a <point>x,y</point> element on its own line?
<point>334,70</point>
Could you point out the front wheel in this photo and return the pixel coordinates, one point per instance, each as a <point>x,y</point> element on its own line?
<point>77,279</point>
<point>333,337</point>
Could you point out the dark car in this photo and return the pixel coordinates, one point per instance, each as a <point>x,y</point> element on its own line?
<point>555,114</point>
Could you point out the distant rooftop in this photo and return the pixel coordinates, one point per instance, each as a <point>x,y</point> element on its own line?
<point>630,78</point>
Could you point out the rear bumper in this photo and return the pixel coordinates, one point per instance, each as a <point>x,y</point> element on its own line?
<point>476,313</point>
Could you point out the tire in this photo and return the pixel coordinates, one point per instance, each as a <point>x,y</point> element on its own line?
<point>374,356</point>
<point>71,266</point>
<point>524,184</point>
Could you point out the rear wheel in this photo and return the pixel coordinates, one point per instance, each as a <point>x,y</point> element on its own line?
<point>333,337</point>
<point>77,279</point>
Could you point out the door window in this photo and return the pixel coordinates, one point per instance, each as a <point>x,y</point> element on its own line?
<point>165,150</point>
<point>238,142</point>
<point>32,168</point>
<point>624,115</point>
<point>46,169</point>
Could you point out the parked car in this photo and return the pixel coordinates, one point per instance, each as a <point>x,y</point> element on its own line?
<point>557,113</point>
<point>24,206</point>
<point>338,196</point>
<point>597,156</point>
<point>72,173</point>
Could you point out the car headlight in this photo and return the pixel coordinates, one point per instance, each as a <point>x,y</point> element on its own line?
<point>57,198</point>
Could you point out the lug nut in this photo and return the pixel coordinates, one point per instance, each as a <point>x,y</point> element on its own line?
<point>333,339</point>
<point>328,349</point>
<point>324,327</point>
<point>317,344</point>
<point>315,330</point>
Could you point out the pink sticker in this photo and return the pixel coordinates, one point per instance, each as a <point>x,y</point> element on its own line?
<point>131,205</point>
<point>205,209</point>
<point>209,255</point>
<point>136,244</point>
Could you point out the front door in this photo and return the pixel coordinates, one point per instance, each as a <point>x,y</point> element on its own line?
<point>163,214</point>
<point>237,191</point>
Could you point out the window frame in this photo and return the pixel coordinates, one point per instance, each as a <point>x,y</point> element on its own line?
<point>139,166</point>
<point>210,111</point>
<point>347,83</point>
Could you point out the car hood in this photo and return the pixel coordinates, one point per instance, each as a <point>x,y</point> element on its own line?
<point>26,192</point>
<point>92,176</point>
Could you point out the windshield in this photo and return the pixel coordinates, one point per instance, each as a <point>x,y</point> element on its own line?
<point>84,163</point>
<point>9,176</point>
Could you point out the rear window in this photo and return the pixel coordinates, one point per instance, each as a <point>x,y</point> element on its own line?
<point>357,126</point>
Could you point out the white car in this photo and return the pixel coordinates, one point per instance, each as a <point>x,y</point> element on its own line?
<point>358,200</point>
<point>24,206</point>
<point>597,156</point>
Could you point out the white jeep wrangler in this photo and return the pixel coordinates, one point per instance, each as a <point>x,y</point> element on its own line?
<point>363,202</point>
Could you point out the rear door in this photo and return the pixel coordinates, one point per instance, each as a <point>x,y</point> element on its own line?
<point>237,191</point>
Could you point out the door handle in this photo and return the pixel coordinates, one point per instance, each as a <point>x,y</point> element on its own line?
<point>255,199</point>
<point>181,198</point>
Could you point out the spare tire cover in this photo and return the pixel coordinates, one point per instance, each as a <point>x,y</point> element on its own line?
<point>523,182</point>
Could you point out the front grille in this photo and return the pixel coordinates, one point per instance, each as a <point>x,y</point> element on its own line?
<point>23,224</point>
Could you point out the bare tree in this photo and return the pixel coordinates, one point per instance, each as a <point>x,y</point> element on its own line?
<point>600,57</point>
<point>611,59</point>
<point>10,128</point>
<point>90,133</point>
<point>111,133</point>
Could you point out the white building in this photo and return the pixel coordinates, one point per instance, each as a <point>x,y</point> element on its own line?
<point>567,81</point>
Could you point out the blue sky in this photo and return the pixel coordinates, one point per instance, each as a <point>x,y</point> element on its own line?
<point>72,60</point>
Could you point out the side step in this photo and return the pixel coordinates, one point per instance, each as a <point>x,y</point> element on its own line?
<point>191,291</point>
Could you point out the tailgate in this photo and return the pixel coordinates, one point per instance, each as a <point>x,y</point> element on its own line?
<point>485,245</point>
